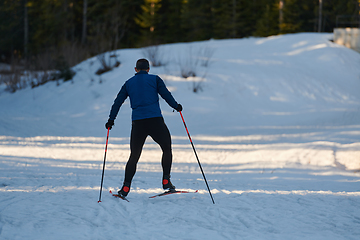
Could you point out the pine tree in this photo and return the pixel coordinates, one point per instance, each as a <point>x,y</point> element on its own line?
<point>347,9</point>
<point>147,20</point>
<point>269,23</point>
<point>168,28</point>
<point>299,16</point>
<point>225,19</point>
<point>197,20</point>
<point>11,29</point>
<point>250,11</point>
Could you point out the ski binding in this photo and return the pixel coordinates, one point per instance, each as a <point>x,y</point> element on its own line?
<point>118,196</point>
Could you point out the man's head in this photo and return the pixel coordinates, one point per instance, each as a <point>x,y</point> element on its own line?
<point>142,65</point>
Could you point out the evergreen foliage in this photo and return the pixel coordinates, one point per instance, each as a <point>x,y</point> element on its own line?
<point>198,20</point>
<point>268,24</point>
<point>168,26</point>
<point>56,28</point>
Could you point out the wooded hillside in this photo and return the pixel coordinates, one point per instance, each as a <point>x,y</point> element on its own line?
<point>48,34</point>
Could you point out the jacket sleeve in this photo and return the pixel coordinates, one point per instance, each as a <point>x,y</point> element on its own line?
<point>119,100</point>
<point>165,93</point>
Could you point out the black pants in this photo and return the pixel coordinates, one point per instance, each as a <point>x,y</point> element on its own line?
<point>155,128</point>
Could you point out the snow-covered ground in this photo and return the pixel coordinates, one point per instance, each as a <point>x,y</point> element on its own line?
<point>276,125</point>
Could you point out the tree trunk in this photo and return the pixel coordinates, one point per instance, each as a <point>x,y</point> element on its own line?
<point>320,15</point>
<point>359,12</point>
<point>83,36</point>
<point>234,19</point>
<point>281,14</point>
<point>26,29</point>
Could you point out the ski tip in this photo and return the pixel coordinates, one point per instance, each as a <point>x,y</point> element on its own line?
<point>121,197</point>
<point>118,196</point>
<point>99,201</point>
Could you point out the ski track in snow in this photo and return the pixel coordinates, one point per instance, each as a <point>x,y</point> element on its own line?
<point>276,128</point>
<point>262,197</point>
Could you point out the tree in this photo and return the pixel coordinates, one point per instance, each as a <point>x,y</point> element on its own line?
<point>168,27</point>
<point>197,20</point>
<point>225,19</point>
<point>299,16</point>
<point>84,25</point>
<point>336,8</point>
<point>11,29</point>
<point>26,28</point>
<point>270,22</point>
<point>147,20</point>
<point>320,15</point>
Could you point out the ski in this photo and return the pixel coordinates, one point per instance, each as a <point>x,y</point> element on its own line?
<point>118,196</point>
<point>157,195</point>
<point>171,192</point>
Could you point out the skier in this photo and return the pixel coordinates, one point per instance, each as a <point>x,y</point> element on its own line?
<point>147,120</point>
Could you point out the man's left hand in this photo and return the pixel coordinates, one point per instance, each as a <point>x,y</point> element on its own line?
<point>179,108</point>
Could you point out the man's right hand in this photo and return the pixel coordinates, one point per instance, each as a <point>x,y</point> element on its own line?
<point>109,124</point>
<point>179,108</point>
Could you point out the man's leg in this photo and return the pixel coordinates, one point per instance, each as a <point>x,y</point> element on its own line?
<point>161,135</point>
<point>137,140</point>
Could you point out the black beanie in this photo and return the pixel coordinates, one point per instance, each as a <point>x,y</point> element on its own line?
<point>142,64</point>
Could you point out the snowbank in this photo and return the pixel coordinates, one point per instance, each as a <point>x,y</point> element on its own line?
<point>275,123</point>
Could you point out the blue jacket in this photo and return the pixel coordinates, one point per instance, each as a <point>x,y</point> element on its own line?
<point>143,90</point>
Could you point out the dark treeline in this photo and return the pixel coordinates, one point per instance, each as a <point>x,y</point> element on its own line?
<point>68,31</point>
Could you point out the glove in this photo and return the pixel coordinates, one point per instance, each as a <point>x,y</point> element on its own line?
<point>179,108</point>
<point>109,124</point>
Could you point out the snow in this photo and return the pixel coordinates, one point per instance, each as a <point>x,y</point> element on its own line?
<point>276,125</point>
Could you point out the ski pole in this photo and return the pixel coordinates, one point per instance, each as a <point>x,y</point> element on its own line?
<point>102,177</point>
<point>197,158</point>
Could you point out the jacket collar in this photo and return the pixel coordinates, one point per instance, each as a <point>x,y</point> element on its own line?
<point>141,72</point>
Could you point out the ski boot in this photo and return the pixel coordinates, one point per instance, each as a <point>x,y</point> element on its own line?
<point>125,189</point>
<point>167,185</point>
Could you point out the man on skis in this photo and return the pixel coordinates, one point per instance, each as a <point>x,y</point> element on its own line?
<point>144,89</point>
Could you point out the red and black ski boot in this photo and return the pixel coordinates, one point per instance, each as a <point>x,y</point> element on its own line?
<point>167,185</point>
<point>125,189</point>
